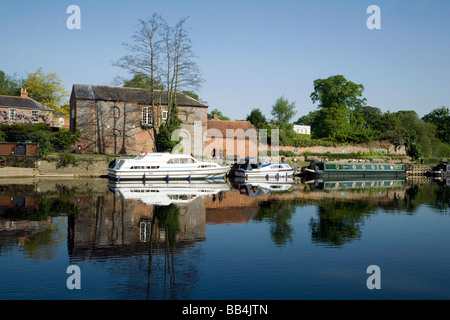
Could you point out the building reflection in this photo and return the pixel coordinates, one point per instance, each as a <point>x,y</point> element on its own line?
<point>132,215</point>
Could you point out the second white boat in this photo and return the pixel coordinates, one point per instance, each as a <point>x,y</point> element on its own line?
<point>253,168</point>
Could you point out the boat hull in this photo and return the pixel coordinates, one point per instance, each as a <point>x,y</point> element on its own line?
<point>262,174</point>
<point>137,175</point>
<point>352,171</point>
<point>352,175</point>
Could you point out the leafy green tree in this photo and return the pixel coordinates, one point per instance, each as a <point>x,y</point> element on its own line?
<point>391,128</point>
<point>219,114</point>
<point>256,118</point>
<point>309,119</point>
<point>441,118</point>
<point>283,111</point>
<point>419,137</point>
<point>163,139</point>
<point>339,102</point>
<point>46,88</point>
<point>9,85</point>
<point>141,80</point>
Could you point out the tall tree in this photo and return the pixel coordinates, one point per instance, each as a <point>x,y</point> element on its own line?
<point>163,54</point>
<point>283,111</point>
<point>339,103</point>
<point>219,114</point>
<point>47,88</point>
<point>145,51</point>
<point>441,118</point>
<point>141,80</point>
<point>257,118</point>
<point>9,85</point>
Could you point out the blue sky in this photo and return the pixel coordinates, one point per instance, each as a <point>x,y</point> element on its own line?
<point>250,52</point>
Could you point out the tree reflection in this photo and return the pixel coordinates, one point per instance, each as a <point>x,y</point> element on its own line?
<point>278,214</point>
<point>338,221</point>
<point>165,227</point>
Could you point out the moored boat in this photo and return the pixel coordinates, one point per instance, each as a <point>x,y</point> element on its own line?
<point>254,168</point>
<point>442,170</point>
<point>156,166</point>
<point>325,170</point>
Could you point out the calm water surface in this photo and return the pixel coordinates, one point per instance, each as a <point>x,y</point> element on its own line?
<point>224,240</point>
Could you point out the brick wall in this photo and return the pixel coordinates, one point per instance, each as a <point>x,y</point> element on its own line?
<point>376,146</point>
<point>8,148</point>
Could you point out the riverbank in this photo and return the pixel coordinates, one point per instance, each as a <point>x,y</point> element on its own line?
<point>53,168</point>
<point>96,166</point>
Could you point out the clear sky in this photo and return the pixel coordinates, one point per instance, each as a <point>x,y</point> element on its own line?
<point>250,52</point>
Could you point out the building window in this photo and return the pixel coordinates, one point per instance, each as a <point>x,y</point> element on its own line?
<point>35,116</point>
<point>12,114</point>
<point>164,114</point>
<point>182,115</point>
<point>115,112</point>
<point>147,118</point>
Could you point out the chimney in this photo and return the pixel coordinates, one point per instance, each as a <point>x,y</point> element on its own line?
<point>215,117</point>
<point>23,93</point>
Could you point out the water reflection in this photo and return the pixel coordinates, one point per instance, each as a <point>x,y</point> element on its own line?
<point>126,215</point>
<point>157,223</point>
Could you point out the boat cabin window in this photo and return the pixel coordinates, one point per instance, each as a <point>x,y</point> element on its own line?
<point>181,160</point>
<point>319,165</point>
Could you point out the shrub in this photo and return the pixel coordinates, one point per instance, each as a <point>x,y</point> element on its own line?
<point>66,159</point>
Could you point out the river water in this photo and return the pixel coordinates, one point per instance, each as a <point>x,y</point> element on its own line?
<point>87,239</point>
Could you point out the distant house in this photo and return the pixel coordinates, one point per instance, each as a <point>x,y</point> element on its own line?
<point>231,139</point>
<point>23,109</point>
<point>121,120</point>
<point>302,129</point>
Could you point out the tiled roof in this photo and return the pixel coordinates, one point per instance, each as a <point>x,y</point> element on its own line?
<point>224,125</point>
<point>123,94</point>
<point>18,102</point>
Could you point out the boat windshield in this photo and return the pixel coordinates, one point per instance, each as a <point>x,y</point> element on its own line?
<point>119,164</point>
<point>319,165</point>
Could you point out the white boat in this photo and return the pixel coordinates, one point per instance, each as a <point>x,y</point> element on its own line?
<point>253,168</point>
<point>166,166</point>
<point>163,194</point>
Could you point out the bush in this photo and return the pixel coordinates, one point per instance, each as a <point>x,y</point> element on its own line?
<point>65,138</point>
<point>39,132</point>
<point>17,132</point>
<point>66,159</point>
<point>45,144</point>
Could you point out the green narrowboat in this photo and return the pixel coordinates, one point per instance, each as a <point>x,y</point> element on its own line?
<point>327,170</point>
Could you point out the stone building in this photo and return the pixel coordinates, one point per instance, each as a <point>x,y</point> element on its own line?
<point>121,120</point>
<point>23,109</point>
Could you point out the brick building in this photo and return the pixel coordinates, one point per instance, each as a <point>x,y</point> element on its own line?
<point>23,109</point>
<point>231,139</point>
<point>120,120</point>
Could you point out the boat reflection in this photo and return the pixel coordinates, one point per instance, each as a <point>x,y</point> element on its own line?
<point>163,194</point>
<point>321,184</point>
<point>258,187</point>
